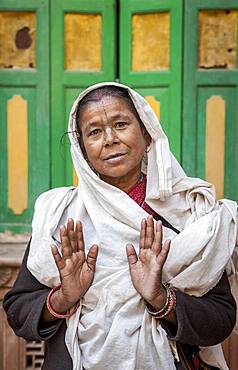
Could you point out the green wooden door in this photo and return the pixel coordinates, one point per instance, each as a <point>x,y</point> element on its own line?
<point>210,93</point>
<point>159,79</point>
<point>24,109</point>
<point>164,49</point>
<point>83,46</point>
<point>150,57</point>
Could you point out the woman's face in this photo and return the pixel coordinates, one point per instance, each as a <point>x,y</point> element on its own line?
<point>113,139</point>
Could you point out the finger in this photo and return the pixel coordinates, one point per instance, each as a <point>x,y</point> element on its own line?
<point>92,257</point>
<point>70,224</point>
<point>65,242</point>
<point>157,243</point>
<point>73,240</point>
<point>79,236</point>
<point>149,237</point>
<point>57,257</point>
<point>131,255</point>
<point>142,233</point>
<point>161,258</point>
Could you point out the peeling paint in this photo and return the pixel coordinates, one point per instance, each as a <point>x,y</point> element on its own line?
<point>23,39</point>
<point>217,38</point>
<point>17,40</point>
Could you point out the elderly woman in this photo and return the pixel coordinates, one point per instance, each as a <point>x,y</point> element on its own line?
<point>128,270</point>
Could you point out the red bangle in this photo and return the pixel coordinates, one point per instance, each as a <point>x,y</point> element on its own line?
<point>53,312</point>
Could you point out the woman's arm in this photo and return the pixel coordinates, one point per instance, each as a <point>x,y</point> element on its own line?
<point>24,304</point>
<point>206,320</point>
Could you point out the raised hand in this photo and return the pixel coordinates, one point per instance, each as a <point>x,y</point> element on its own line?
<point>76,270</point>
<point>146,267</point>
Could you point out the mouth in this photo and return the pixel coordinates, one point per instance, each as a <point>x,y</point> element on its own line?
<point>115,155</point>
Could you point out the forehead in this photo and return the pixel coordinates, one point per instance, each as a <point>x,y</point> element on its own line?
<point>107,106</point>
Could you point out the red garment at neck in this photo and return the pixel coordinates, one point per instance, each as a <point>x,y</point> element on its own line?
<point>138,192</point>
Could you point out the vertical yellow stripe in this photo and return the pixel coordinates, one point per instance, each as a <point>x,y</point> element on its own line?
<point>75,178</point>
<point>17,154</point>
<point>155,105</point>
<point>215,143</point>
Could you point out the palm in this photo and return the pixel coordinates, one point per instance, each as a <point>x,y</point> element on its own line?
<point>76,270</point>
<point>146,268</point>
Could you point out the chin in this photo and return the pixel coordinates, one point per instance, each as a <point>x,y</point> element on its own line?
<point>117,174</point>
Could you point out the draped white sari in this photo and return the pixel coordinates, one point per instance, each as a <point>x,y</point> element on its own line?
<point>112,330</point>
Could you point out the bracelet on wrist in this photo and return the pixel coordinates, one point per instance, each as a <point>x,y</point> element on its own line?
<point>168,307</point>
<point>70,312</point>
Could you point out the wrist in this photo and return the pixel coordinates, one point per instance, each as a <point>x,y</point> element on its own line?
<point>167,309</point>
<point>63,309</point>
<point>160,300</point>
<point>60,303</point>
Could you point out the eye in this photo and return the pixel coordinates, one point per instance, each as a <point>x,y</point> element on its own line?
<point>121,124</point>
<point>96,131</point>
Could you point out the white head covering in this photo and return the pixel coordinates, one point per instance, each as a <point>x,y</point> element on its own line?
<point>114,331</point>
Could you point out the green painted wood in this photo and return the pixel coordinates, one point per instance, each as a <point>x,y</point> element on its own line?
<point>33,86</point>
<point>199,84</point>
<point>61,80</point>
<point>168,80</point>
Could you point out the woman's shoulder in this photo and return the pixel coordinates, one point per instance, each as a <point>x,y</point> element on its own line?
<point>55,193</point>
<point>55,196</point>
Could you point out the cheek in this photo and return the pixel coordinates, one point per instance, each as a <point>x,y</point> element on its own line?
<point>92,150</point>
<point>139,143</point>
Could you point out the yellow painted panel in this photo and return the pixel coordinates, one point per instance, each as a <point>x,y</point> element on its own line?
<point>155,105</point>
<point>218,38</point>
<point>17,136</point>
<point>83,42</point>
<point>150,41</point>
<point>17,40</point>
<point>215,143</point>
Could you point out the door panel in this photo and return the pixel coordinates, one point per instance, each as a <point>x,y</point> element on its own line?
<point>83,53</point>
<point>151,56</point>
<point>24,109</point>
<point>210,95</point>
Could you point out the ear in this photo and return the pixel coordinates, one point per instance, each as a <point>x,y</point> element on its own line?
<point>147,137</point>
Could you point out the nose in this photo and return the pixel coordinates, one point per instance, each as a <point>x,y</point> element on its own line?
<point>109,136</point>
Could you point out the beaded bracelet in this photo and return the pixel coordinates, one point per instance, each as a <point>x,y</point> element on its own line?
<point>169,306</point>
<point>53,312</point>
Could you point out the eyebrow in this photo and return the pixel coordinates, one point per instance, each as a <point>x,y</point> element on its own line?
<point>114,117</point>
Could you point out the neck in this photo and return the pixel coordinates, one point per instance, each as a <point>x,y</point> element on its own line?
<point>124,183</point>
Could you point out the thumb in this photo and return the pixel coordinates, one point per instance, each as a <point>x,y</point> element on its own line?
<point>92,257</point>
<point>131,255</point>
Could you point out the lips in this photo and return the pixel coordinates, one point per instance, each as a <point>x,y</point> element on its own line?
<point>114,155</point>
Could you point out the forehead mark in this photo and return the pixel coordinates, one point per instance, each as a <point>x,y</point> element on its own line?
<point>104,109</point>
<point>108,108</point>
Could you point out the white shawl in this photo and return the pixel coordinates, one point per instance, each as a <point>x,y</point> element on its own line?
<point>112,329</point>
